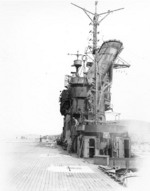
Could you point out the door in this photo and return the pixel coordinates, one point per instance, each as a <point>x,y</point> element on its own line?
<point>91,147</point>
<point>126,148</point>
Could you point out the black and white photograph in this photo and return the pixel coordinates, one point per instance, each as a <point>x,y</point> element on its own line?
<point>74,95</point>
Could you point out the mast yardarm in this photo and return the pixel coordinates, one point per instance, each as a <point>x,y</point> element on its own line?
<point>95,21</point>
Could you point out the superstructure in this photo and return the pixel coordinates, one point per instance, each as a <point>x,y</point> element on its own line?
<point>87,97</point>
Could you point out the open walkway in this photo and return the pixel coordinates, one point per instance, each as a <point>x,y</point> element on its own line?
<point>37,167</point>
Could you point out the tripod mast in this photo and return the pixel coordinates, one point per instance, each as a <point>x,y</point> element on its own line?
<point>94,17</point>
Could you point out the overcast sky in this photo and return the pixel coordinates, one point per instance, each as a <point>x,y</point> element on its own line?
<point>35,38</point>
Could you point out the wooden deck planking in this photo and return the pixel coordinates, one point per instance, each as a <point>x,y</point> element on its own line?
<point>29,171</point>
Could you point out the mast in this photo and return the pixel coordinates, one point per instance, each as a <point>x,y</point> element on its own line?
<point>95,21</point>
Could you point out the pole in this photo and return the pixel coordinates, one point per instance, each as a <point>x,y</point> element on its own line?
<point>95,22</point>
